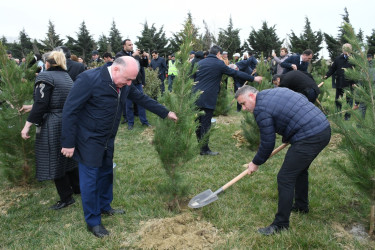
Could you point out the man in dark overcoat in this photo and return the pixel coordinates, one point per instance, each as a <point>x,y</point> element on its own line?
<point>91,117</point>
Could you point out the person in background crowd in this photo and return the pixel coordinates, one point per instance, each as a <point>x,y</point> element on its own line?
<point>297,62</point>
<point>73,68</point>
<point>338,68</point>
<point>172,71</point>
<point>304,126</point>
<point>159,63</point>
<point>279,60</point>
<point>208,78</point>
<point>52,86</point>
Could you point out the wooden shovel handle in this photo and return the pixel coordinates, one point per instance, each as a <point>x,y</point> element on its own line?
<point>234,180</point>
<point>238,177</point>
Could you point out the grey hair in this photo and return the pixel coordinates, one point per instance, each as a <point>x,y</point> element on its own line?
<point>120,61</point>
<point>244,90</point>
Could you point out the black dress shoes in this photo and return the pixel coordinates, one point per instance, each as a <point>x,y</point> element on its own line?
<point>62,204</point>
<point>113,212</point>
<point>209,152</point>
<point>98,230</point>
<point>271,229</point>
<point>300,210</point>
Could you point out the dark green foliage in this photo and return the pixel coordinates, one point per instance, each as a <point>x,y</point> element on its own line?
<point>309,39</point>
<point>358,133</point>
<point>179,37</point>
<point>84,43</point>
<point>16,154</point>
<point>250,131</point>
<point>115,39</point>
<point>229,39</point>
<point>223,103</point>
<point>152,87</point>
<point>52,39</point>
<point>151,39</point>
<point>176,143</point>
<point>264,40</point>
<point>371,43</point>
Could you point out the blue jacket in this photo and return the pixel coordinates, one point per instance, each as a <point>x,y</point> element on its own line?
<point>290,114</point>
<point>287,64</point>
<point>161,64</point>
<point>209,73</point>
<point>92,113</point>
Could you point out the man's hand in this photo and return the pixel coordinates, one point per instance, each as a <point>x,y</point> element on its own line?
<point>294,67</point>
<point>252,168</point>
<point>67,152</point>
<point>172,116</point>
<point>258,79</point>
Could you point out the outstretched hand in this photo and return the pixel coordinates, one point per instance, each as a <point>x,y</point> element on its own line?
<point>172,116</point>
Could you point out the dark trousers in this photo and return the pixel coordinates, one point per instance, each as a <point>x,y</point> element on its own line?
<point>96,189</point>
<point>204,127</point>
<point>292,179</point>
<point>67,185</point>
<point>130,111</point>
<point>339,94</point>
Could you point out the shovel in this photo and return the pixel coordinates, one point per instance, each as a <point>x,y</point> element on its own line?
<point>208,196</point>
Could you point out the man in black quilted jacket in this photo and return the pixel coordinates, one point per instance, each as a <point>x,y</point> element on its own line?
<point>304,126</point>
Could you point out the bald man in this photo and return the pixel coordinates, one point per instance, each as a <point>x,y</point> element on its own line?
<point>91,117</point>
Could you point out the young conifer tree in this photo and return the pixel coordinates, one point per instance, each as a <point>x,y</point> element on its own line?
<point>359,132</point>
<point>176,143</point>
<point>16,88</point>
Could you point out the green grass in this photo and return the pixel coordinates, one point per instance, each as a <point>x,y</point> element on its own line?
<point>335,204</point>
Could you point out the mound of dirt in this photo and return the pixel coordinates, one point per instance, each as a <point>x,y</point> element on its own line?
<point>180,232</point>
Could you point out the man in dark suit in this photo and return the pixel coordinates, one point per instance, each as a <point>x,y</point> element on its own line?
<point>73,68</point>
<point>209,73</point>
<point>298,62</point>
<point>91,117</point>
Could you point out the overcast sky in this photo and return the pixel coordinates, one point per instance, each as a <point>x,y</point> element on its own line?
<point>130,16</point>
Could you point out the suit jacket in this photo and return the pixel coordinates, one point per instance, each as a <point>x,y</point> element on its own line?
<point>92,113</point>
<point>209,73</point>
<point>74,68</point>
<point>287,64</point>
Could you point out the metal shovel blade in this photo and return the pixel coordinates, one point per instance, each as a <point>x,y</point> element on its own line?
<point>203,199</point>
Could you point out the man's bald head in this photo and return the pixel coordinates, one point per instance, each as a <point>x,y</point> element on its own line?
<point>124,70</point>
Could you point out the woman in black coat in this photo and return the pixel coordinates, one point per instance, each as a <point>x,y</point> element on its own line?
<point>51,89</point>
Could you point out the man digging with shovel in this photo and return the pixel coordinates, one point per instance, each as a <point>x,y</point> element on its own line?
<point>304,126</point>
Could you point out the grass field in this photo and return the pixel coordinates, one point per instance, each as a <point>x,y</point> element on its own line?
<point>337,208</point>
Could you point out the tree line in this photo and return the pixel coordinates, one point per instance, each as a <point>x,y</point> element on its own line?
<point>261,41</point>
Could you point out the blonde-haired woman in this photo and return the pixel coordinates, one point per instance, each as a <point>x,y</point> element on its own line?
<point>51,88</point>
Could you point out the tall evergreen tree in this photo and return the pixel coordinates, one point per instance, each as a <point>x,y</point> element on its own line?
<point>309,39</point>
<point>25,43</point>
<point>103,44</point>
<point>179,37</point>
<point>151,39</point>
<point>52,39</point>
<point>84,43</point>
<point>371,42</point>
<point>229,39</point>
<point>115,38</point>
<point>207,39</point>
<point>264,40</point>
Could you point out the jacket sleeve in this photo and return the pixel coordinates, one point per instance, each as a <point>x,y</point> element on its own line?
<point>267,137</point>
<point>235,73</point>
<point>147,102</point>
<point>74,103</point>
<point>287,64</point>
